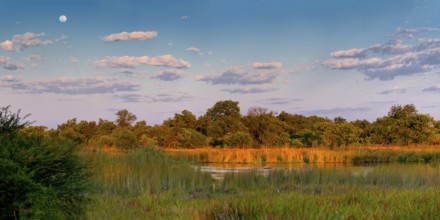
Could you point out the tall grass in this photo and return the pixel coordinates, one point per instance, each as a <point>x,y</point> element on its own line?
<point>143,182</point>
<point>373,154</point>
<point>148,184</point>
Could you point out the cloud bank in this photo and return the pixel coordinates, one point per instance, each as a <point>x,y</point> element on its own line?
<point>267,66</point>
<point>401,56</point>
<point>7,64</point>
<point>240,77</point>
<point>20,42</point>
<point>68,85</point>
<point>168,75</point>
<point>136,35</point>
<point>131,61</point>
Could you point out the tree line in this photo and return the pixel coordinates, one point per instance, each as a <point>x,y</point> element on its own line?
<point>223,126</point>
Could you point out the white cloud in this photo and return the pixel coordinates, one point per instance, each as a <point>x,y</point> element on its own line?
<point>23,41</point>
<point>168,75</point>
<point>411,32</point>
<point>351,53</point>
<point>352,63</point>
<point>7,45</point>
<point>130,62</point>
<point>267,66</point>
<point>7,64</point>
<point>136,35</point>
<point>195,50</point>
<point>240,77</point>
<point>184,17</point>
<point>69,85</point>
<point>394,58</point>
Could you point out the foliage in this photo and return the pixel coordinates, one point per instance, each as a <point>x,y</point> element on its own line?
<point>11,122</point>
<point>190,138</point>
<point>40,177</point>
<point>239,139</point>
<point>124,138</point>
<point>226,108</point>
<point>223,126</point>
<point>125,118</point>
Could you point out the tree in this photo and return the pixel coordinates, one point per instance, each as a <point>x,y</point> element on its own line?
<point>339,120</point>
<point>40,177</point>
<point>222,126</point>
<point>70,131</point>
<point>11,122</point>
<point>190,138</point>
<point>224,108</point>
<point>124,138</point>
<point>125,118</point>
<point>224,117</point>
<point>402,112</point>
<point>141,129</point>
<point>239,139</point>
<point>364,126</point>
<point>105,127</point>
<point>263,126</point>
<point>185,119</point>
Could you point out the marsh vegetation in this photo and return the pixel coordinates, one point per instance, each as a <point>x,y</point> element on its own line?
<point>295,167</point>
<point>150,184</point>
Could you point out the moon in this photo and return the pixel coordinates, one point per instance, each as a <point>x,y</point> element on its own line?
<point>63,18</point>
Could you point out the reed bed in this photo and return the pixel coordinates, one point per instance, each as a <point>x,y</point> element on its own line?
<point>372,154</point>
<point>149,184</point>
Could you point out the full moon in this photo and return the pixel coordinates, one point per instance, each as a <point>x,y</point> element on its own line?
<point>63,18</point>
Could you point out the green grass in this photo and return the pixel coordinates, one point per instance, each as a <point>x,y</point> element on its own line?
<point>147,184</point>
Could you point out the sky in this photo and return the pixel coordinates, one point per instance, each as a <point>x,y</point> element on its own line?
<point>349,58</point>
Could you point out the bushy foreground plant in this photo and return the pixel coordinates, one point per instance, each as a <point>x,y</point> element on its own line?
<point>40,177</point>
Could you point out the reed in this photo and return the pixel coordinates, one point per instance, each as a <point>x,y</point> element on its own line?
<point>149,184</point>
<point>370,154</point>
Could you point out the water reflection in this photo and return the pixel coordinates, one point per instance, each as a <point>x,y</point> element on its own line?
<point>219,170</point>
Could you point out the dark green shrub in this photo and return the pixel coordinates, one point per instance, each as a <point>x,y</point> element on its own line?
<point>238,139</point>
<point>124,138</point>
<point>40,178</point>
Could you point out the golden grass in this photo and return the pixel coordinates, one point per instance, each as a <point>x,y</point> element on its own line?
<point>289,155</point>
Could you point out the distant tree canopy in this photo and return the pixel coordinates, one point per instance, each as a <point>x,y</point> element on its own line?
<point>223,126</point>
<point>125,118</point>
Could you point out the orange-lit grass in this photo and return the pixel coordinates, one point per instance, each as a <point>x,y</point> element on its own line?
<point>290,155</point>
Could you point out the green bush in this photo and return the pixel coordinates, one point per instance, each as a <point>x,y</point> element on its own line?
<point>105,141</point>
<point>238,139</point>
<point>124,138</point>
<point>40,178</point>
<point>190,138</point>
<point>146,141</point>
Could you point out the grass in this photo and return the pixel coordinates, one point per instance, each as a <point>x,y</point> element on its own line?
<point>372,154</point>
<point>148,184</point>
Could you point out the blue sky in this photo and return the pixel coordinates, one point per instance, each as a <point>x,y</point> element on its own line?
<point>330,58</point>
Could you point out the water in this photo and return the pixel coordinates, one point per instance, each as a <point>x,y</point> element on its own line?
<point>219,170</point>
